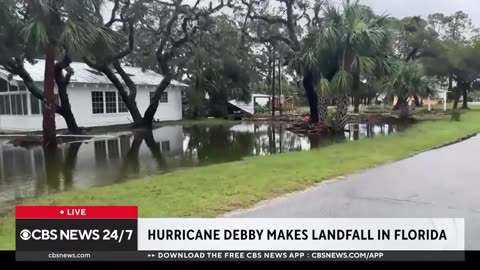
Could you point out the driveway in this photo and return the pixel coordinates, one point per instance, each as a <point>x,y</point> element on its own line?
<point>437,184</point>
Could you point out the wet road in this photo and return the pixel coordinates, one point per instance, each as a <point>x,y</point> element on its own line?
<point>439,184</point>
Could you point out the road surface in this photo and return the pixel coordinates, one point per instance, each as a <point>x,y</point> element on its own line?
<point>437,184</point>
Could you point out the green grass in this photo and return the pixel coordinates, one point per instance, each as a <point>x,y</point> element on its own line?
<point>212,190</point>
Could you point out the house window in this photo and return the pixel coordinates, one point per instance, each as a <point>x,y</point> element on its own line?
<point>13,105</point>
<point>3,86</point>
<point>24,104</point>
<point>163,97</point>
<point>35,105</point>
<point>107,102</point>
<point>18,103</point>
<point>2,105</point>
<point>22,87</point>
<point>7,105</point>
<point>122,108</point>
<point>97,102</point>
<point>111,102</point>
<point>13,88</point>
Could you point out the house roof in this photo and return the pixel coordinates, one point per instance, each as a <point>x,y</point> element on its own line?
<point>85,74</point>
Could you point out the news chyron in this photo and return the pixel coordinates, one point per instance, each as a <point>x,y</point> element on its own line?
<point>43,229</point>
<point>115,233</point>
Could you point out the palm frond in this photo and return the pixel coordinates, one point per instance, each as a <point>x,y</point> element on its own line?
<point>324,88</point>
<point>409,79</point>
<point>365,64</point>
<point>342,82</point>
<point>35,34</point>
<point>79,36</point>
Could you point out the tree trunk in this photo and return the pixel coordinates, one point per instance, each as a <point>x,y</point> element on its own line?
<point>308,84</point>
<point>269,75</point>
<point>417,101</point>
<point>356,92</point>
<point>65,109</point>
<point>129,100</point>
<point>341,116</point>
<point>404,113</point>
<point>279,75</point>
<point>49,129</point>
<point>400,102</point>
<point>272,103</point>
<point>465,98</point>
<point>356,104</point>
<point>450,82</point>
<point>322,110</point>
<point>69,118</point>
<point>147,121</point>
<point>456,98</point>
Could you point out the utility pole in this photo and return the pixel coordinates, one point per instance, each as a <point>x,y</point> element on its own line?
<point>273,81</point>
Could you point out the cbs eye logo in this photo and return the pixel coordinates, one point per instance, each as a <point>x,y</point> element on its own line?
<point>25,234</point>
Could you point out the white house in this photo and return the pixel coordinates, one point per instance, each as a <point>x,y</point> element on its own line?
<point>94,100</point>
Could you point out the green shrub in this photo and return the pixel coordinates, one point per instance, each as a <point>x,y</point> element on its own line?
<point>260,109</point>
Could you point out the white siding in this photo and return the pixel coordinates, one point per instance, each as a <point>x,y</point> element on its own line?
<point>81,102</point>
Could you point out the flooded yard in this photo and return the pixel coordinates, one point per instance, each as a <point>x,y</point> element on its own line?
<point>27,172</point>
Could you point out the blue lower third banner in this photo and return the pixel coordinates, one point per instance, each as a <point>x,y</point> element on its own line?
<point>66,233</point>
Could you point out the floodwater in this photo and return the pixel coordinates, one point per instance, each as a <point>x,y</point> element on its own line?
<point>30,172</point>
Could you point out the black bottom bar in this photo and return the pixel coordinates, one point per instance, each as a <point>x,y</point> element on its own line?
<point>452,256</point>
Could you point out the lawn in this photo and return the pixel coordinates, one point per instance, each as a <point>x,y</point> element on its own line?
<point>213,190</point>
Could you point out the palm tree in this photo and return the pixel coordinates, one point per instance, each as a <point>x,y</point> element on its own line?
<point>323,97</point>
<point>50,28</point>
<point>360,42</point>
<point>408,79</point>
<point>317,60</point>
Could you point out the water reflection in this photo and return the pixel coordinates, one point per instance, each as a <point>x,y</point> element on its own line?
<point>33,172</point>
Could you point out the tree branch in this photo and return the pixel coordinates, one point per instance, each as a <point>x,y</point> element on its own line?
<point>113,18</point>
<point>247,16</point>
<point>126,78</point>
<point>270,20</point>
<point>131,39</point>
<point>16,67</point>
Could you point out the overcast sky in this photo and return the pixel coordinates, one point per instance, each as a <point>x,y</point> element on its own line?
<point>404,8</point>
